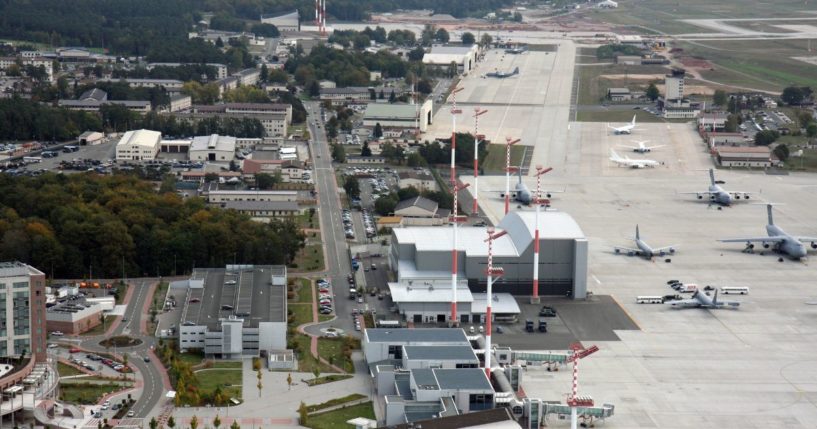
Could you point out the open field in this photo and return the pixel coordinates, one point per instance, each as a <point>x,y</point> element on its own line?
<point>310,258</point>
<point>494,161</point>
<point>66,370</point>
<point>593,84</point>
<point>228,379</point>
<point>85,393</point>
<point>336,419</point>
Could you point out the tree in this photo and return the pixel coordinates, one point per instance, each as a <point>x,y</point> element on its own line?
<point>468,38</point>
<point>259,385</point>
<point>377,133</point>
<point>235,425</point>
<point>734,107</point>
<point>266,30</point>
<point>171,422</point>
<point>652,92</point>
<point>392,97</point>
<point>811,130</point>
<point>153,423</point>
<point>316,372</point>
<point>352,188</point>
<point>266,181</point>
<point>365,151</point>
<point>486,40</point>
<point>314,89</point>
<point>194,422</point>
<point>216,421</point>
<point>794,95</point>
<point>416,54</point>
<point>338,153</point>
<point>303,414</point>
<point>382,95</point>
<point>415,160</point>
<point>517,17</point>
<point>781,151</point>
<point>384,206</point>
<point>719,98</point>
<point>428,35</point>
<point>731,125</point>
<point>766,137</point>
<point>289,381</point>
<point>441,35</point>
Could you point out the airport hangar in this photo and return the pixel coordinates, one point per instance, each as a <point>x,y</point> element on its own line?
<point>421,257</point>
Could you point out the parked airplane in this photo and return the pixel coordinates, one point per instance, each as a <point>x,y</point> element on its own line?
<point>523,194</point>
<point>778,240</point>
<point>717,194</point>
<point>624,129</point>
<point>641,148</point>
<point>632,163</point>
<point>644,249</point>
<point>701,300</point>
<point>502,75</point>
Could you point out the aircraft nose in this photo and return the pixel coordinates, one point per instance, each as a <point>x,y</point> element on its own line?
<point>801,251</point>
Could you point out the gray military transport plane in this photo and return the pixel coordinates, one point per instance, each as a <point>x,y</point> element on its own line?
<point>718,195</point>
<point>521,193</point>
<point>778,240</point>
<point>644,249</point>
<point>701,300</point>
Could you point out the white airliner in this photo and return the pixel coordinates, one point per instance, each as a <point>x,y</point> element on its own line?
<point>642,148</point>
<point>632,163</point>
<point>624,129</point>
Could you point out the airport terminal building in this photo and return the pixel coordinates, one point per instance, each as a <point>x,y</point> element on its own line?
<point>421,258</point>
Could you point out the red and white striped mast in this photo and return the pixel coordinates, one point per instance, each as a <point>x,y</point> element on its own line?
<point>574,401</point>
<point>538,201</point>
<point>508,169</point>
<point>491,271</point>
<point>477,138</point>
<point>318,14</point>
<point>455,219</point>
<point>323,17</point>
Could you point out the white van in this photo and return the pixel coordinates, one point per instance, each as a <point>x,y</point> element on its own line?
<point>742,290</point>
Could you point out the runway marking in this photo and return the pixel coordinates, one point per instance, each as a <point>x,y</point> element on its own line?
<point>626,312</point>
<point>596,279</point>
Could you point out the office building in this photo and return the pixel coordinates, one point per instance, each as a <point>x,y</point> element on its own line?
<point>138,145</point>
<point>22,311</point>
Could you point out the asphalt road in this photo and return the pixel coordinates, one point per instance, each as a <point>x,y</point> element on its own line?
<point>153,389</point>
<point>334,238</point>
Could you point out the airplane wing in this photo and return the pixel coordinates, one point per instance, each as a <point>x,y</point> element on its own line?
<point>695,193</point>
<point>627,250</point>
<point>773,239</point>
<point>666,249</point>
<point>545,191</point>
<point>739,193</point>
<point>655,147</point>
<point>628,147</point>
<point>808,239</point>
<point>683,303</point>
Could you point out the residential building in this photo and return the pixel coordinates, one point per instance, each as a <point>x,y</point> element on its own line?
<point>180,103</point>
<point>263,211</point>
<point>138,145</point>
<point>22,311</point>
<point>285,23</point>
<point>750,156</point>
<point>212,148</point>
<point>92,105</point>
<point>420,180</point>
<point>94,94</point>
<point>399,115</point>
<point>221,197</point>
<point>37,61</point>
<point>227,84</point>
<point>167,84</point>
<point>248,77</point>
<point>274,117</point>
<point>221,69</point>
<point>340,96</point>
<point>421,211</point>
<point>250,317</point>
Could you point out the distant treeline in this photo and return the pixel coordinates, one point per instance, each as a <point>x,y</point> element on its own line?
<point>73,225</point>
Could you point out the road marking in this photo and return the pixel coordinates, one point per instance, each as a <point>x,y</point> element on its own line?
<point>596,279</point>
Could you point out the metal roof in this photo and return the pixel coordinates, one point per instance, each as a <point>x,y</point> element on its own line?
<point>458,353</point>
<point>385,112</point>
<point>502,303</point>
<point>290,206</point>
<point>213,142</point>
<point>418,201</point>
<point>401,293</point>
<point>459,379</point>
<point>427,335</point>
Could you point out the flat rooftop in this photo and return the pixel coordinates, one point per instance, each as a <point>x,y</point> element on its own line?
<point>458,353</point>
<point>245,293</point>
<point>426,335</point>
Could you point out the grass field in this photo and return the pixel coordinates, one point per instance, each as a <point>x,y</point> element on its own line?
<point>332,350</point>
<point>303,292</point>
<point>99,329</point>
<point>807,162</point>
<point>762,64</point>
<point>310,258</point>
<point>190,358</point>
<point>67,370</point>
<point>618,116</point>
<point>327,379</point>
<point>333,402</point>
<point>228,379</point>
<point>306,362</point>
<point>85,393</point>
<point>301,313</point>
<point>593,87</point>
<point>336,419</point>
<point>495,159</point>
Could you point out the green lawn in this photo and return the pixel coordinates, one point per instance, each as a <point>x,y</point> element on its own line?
<point>190,358</point>
<point>808,162</point>
<point>228,379</point>
<point>227,364</point>
<point>337,419</point>
<point>83,393</point>
<point>305,221</point>
<point>331,349</point>
<point>304,292</point>
<point>494,162</point>
<point>302,313</point>
<point>593,85</point>
<point>327,379</point>
<point>310,258</point>
<point>325,317</point>
<point>67,370</point>
<point>306,362</point>
<point>333,402</point>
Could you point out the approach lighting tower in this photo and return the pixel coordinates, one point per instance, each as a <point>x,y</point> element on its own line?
<point>508,170</point>
<point>456,219</point>
<point>539,202</point>
<point>477,138</point>
<point>491,271</point>
<point>574,401</point>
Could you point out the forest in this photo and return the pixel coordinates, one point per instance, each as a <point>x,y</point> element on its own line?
<point>22,119</point>
<point>87,225</point>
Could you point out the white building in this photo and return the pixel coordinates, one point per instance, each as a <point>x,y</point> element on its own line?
<point>222,197</point>
<point>399,115</point>
<point>248,77</point>
<point>442,56</point>
<point>138,145</point>
<point>212,148</point>
<point>286,22</point>
<point>608,4</point>
<point>180,102</point>
<point>221,69</point>
<point>674,85</point>
<point>168,84</point>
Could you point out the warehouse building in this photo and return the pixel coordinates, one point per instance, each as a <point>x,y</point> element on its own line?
<point>442,56</point>
<point>212,148</point>
<point>233,312</point>
<point>286,22</point>
<point>398,115</point>
<point>138,145</point>
<point>73,316</point>
<point>749,156</point>
<point>421,258</point>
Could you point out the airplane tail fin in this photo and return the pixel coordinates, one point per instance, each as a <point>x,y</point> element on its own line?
<point>715,298</point>
<point>519,173</point>
<point>516,70</point>
<point>637,235</point>
<point>769,210</point>
<point>633,121</point>
<point>712,176</point>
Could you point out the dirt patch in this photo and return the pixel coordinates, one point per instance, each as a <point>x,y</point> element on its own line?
<point>809,60</point>
<point>697,63</point>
